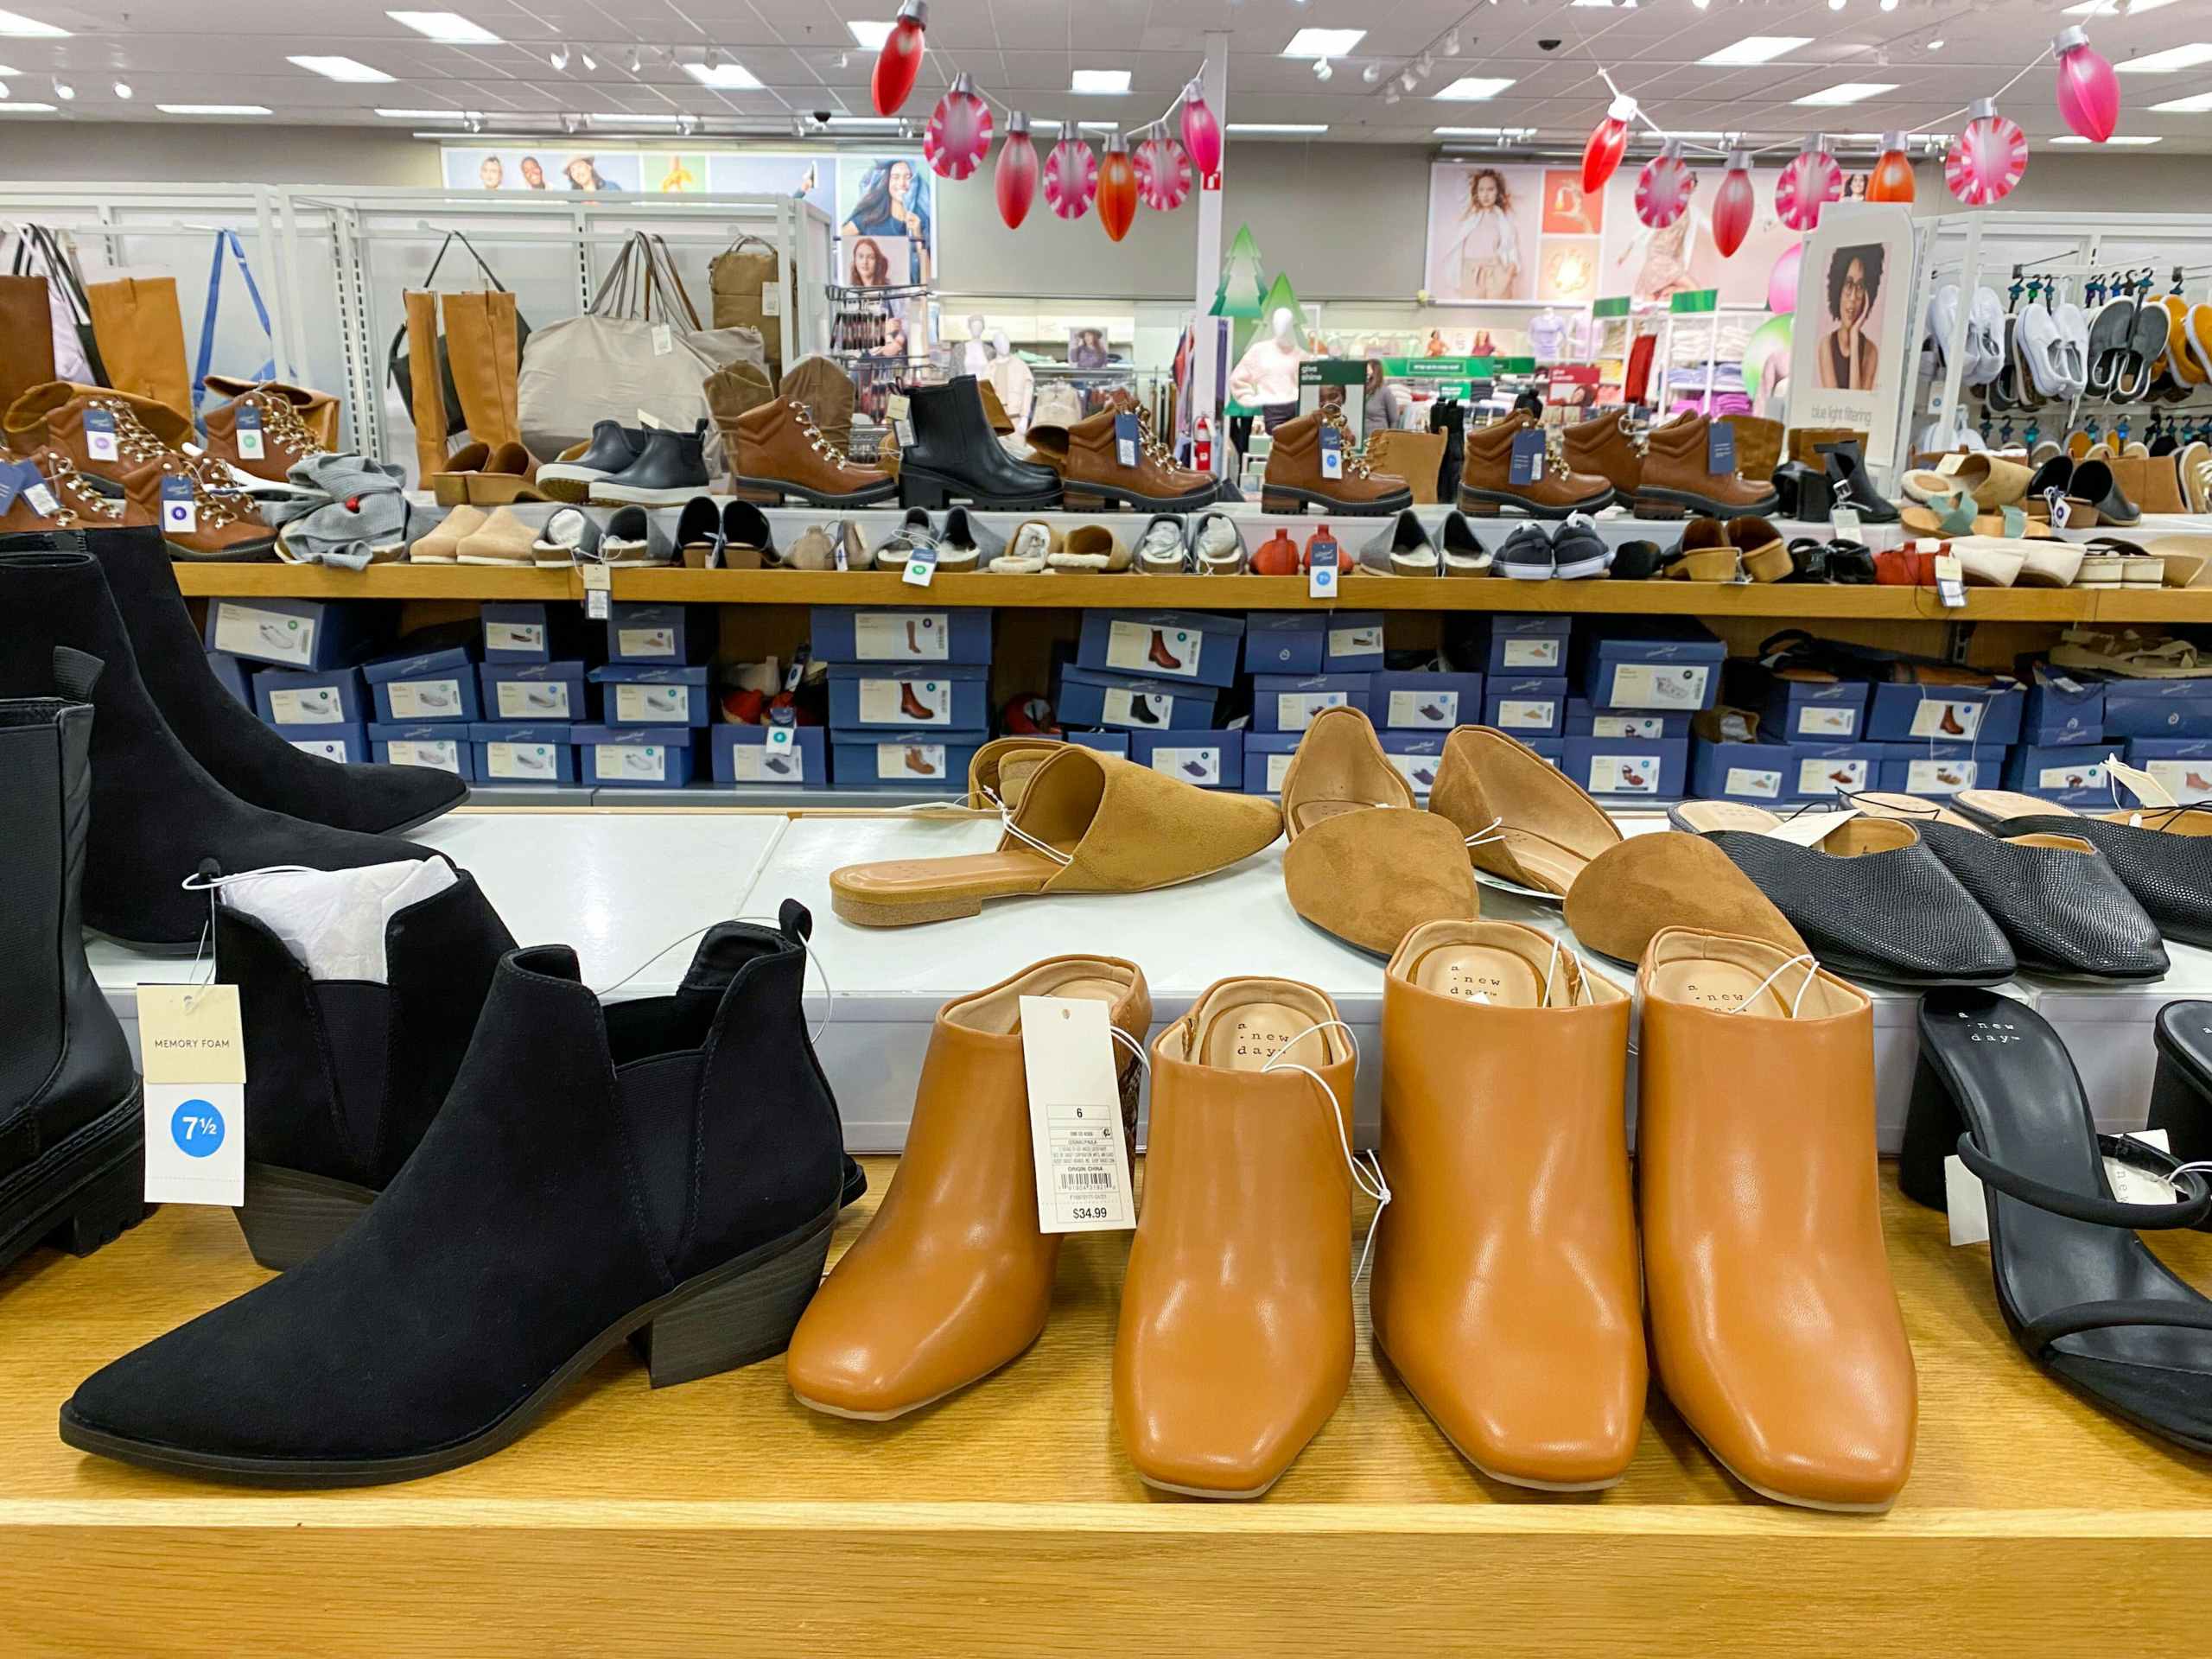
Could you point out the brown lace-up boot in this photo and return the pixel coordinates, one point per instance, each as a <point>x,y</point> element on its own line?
<point>1486,479</point>
<point>777,453</point>
<point>1295,482</point>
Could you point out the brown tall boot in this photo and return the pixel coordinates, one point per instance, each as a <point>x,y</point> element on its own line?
<point>1506,1290</point>
<point>777,453</point>
<point>1486,477</point>
<point>1775,1327</point>
<point>1604,446</point>
<point>1093,479</point>
<point>952,1278</point>
<point>429,398</point>
<point>291,421</point>
<point>1294,480</point>
<point>225,525</point>
<point>483,369</point>
<point>1676,477</point>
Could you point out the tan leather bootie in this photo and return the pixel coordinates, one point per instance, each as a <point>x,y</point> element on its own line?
<point>1295,482</point>
<point>1093,479</point>
<point>225,525</point>
<point>1505,1292</point>
<point>1676,479</point>
<point>779,453</point>
<point>1775,1328</point>
<point>1235,1343</point>
<point>1604,446</point>
<point>292,421</point>
<point>952,1278</point>
<point>1486,478</point>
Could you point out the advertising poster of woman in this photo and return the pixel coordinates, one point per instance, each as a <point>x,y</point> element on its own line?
<point>889,197</point>
<point>1482,230</point>
<point>1851,324</point>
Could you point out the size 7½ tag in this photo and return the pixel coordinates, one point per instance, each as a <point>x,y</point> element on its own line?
<point>194,1056</point>
<point>1321,578</point>
<point>599,586</point>
<point>1075,1117</point>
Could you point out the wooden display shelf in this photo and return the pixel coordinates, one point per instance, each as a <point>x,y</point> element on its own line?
<point>1819,602</point>
<point>722,1517</point>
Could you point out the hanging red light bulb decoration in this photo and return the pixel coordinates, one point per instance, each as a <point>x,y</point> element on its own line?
<point>959,133</point>
<point>1608,143</point>
<point>1117,188</point>
<point>1986,159</point>
<point>1809,181</point>
<point>1163,172</point>
<point>2089,92</point>
<point>1070,175</point>
<point>900,59</point>
<point>1016,177</point>
<point>1663,189</point>
<point>1733,204</point>
<point>1201,132</point>
<point>1892,179</point>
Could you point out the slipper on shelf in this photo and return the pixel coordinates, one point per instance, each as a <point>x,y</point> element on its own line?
<point>2111,326</point>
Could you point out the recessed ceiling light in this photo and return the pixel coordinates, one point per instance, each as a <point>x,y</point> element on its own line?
<point>1756,48</point>
<point>2194,103</point>
<point>340,68</point>
<point>1100,82</point>
<point>723,77</point>
<point>871,36</point>
<point>63,90</point>
<point>2129,138</point>
<point>2113,8</point>
<point>1847,92</point>
<point>212,109</point>
<point>449,28</point>
<point>2166,62</point>
<point>1322,42</point>
<point>1280,127</point>
<point>1470,89</point>
<point>26,109</point>
<point>13,23</point>
<point>423,115</point>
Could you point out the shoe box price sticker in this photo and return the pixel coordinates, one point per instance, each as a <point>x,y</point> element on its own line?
<point>1332,452</point>
<point>193,1053</point>
<point>1528,456</point>
<point>248,433</point>
<point>1075,1134</point>
<point>99,434</point>
<point>1720,448</point>
<point>179,512</point>
<point>1125,438</point>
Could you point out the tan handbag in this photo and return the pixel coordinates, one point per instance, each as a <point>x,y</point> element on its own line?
<point>739,276</point>
<point>26,343</point>
<point>141,335</point>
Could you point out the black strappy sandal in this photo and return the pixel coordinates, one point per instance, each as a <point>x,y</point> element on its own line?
<point>2077,1290</point>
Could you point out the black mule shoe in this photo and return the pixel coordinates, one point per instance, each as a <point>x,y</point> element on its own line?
<point>2164,859</point>
<point>2077,1290</point>
<point>2181,1093</point>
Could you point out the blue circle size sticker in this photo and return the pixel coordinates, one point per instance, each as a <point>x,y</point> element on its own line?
<point>197,1127</point>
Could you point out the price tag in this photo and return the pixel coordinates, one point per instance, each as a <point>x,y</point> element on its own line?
<point>903,431</point>
<point>921,567</point>
<point>248,433</point>
<point>837,543</point>
<point>1332,452</point>
<point>894,406</point>
<point>1528,456</point>
<point>1844,521</point>
<point>193,1053</point>
<point>2060,511</point>
<point>1949,465</point>
<point>1950,580</point>
<point>1321,578</point>
<point>1720,448</point>
<point>1075,1134</point>
<point>772,299</point>
<point>40,494</point>
<point>664,340</point>
<point>99,433</point>
<point>13,481</point>
<point>599,587</point>
<point>782,735</point>
<point>1126,434</point>
<point>180,511</point>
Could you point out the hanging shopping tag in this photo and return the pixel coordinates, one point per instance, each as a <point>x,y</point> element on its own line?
<point>1844,522</point>
<point>179,511</point>
<point>248,433</point>
<point>193,1055</point>
<point>1950,580</point>
<point>13,481</point>
<point>664,340</point>
<point>2060,511</point>
<point>1125,439</point>
<point>1075,1134</point>
<point>894,406</point>
<point>1949,465</point>
<point>1810,828</point>
<point>99,433</point>
<point>1321,577</point>
<point>1332,452</point>
<point>40,494</point>
<point>1720,448</point>
<point>921,567</point>
<point>599,586</point>
<point>771,300</point>
<point>1528,457</point>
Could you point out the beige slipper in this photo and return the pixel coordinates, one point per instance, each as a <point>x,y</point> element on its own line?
<point>1090,548</point>
<point>1028,550</point>
<point>441,544</point>
<point>816,548</point>
<point>502,539</point>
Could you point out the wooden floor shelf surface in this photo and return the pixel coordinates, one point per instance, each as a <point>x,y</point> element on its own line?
<point>724,1517</point>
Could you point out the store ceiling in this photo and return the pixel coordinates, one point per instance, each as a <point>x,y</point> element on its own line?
<point>1025,52</point>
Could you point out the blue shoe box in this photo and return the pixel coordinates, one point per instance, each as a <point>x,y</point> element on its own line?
<point>232,675</point>
<point>1204,759</point>
<point>290,697</point>
<point>1415,757</point>
<point>2183,765</point>
<point>1285,642</point>
<point>1114,743</point>
<point>1197,645</point>
<point>511,753</point>
<point>1793,710</point>
<point>1585,719</point>
<point>1288,702</point>
<point>531,633</point>
<point>442,744</point>
<point>1354,643</point>
<point>2070,774</point>
<point>435,685</point>
<point>1659,669</point>
<point>2061,711</point>
<point>956,698</point>
<point>668,635</point>
<point>743,755</point>
<point>935,761</point>
<point>305,633</point>
<point>845,633</point>
<point>635,695</point>
<point>1658,768</point>
<point>1425,701</point>
<point>1267,760</point>
<point>1956,714</point>
<point>1089,696</point>
<point>1526,645</point>
<point>535,692</point>
<point>1937,769</point>
<point>1770,772</point>
<point>2170,708</point>
<point>635,757</point>
<point>347,744</point>
<point>1525,708</point>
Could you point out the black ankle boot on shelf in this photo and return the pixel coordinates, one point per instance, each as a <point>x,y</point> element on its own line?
<point>157,817</point>
<point>955,456</point>
<point>666,1170</point>
<point>72,1145</point>
<point>1851,485</point>
<point>243,754</point>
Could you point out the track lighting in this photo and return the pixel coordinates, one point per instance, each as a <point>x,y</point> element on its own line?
<point>1451,43</point>
<point>122,90</point>
<point>1405,80</point>
<point>714,58</point>
<point>1390,96</point>
<point>590,62</point>
<point>558,57</point>
<point>634,62</point>
<point>63,90</point>
<point>1321,70</point>
<point>1426,63</point>
<point>1372,73</point>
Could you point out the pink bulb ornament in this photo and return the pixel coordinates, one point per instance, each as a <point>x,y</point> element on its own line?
<point>1663,189</point>
<point>1808,183</point>
<point>1987,158</point>
<point>959,133</point>
<point>1201,132</point>
<point>899,61</point>
<point>1733,206</point>
<point>1163,173</point>
<point>1071,178</point>
<point>1607,143</point>
<point>1015,179</point>
<point>2089,92</point>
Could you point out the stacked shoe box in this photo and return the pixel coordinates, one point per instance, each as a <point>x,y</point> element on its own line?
<point>1939,739</point>
<point>1414,709</point>
<point>534,693</point>
<point>423,706</point>
<point>655,700</point>
<point>1331,663</point>
<point>910,696</point>
<point>2061,754</point>
<point>1788,738</point>
<point>305,650</point>
<point>1158,675</point>
<point>2167,726</point>
<point>1627,728</point>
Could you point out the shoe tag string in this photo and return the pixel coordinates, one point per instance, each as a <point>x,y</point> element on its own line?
<point>1367,1177</point>
<point>774,924</point>
<point>209,879</point>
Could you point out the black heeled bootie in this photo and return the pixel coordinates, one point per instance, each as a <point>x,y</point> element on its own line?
<point>956,455</point>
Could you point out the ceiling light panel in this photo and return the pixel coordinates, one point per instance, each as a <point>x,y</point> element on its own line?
<point>871,34</point>
<point>723,77</point>
<point>212,109</point>
<point>2168,62</point>
<point>447,27</point>
<point>1472,89</point>
<point>1847,92</point>
<point>1282,129</point>
<point>1102,83</point>
<point>340,69</point>
<point>1756,48</point>
<point>13,23</point>
<point>2194,103</point>
<point>1322,42</point>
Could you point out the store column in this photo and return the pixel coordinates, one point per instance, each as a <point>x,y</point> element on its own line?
<point>1204,385</point>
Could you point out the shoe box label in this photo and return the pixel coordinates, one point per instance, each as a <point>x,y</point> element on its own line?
<point>266,635</point>
<point>905,703</point>
<point>1623,775</point>
<point>1755,782</point>
<point>1815,719</point>
<point>1077,1136</point>
<point>424,700</point>
<point>514,635</point>
<point>1531,653</point>
<point>906,763</point>
<point>1278,769</point>
<point>760,763</point>
<point>1527,713</point>
<point>1200,767</point>
<point>323,748</point>
<point>543,699</point>
<point>1829,777</point>
<point>1649,727</point>
<point>637,762</point>
<point>1364,640</point>
<point>1939,777</point>
<point>642,704</point>
<point>2185,781</point>
<point>1941,717</point>
<point>1419,770</point>
<point>2074,777</point>
<point>192,1053</point>
<point>318,705</point>
<point>1122,708</point>
<point>901,636</point>
<point>1661,685</point>
<point>1295,710</point>
<point>1440,709</point>
<point>530,761</point>
<point>637,645</point>
<point>1140,648</point>
<point>444,754</point>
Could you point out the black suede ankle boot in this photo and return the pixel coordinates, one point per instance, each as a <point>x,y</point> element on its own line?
<point>343,1076</point>
<point>239,751</point>
<point>73,1163</point>
<point>666,1170</point>
<point>158,816</point>
<point>956,455</point>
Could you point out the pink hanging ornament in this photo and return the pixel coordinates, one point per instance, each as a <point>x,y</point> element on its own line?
<point>1733,204</point>
<point>2089,92</point>
<point>900,59</point>
<point>1608,143</point>
<point>1163,173</point>
<point>1071,178</point>
<point>1808,183</point>
<point>1986,159</point>
<point>1201,132</point>
<point>1782,281</point>
<point>1016,178</point>
<point>1663,189</point>
<point>959,133</point>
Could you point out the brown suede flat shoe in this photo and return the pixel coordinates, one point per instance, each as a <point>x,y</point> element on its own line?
<point>1371,875</point>
<point>1527,824</point>
<point>1668,880</point>
<point>1339,768</point>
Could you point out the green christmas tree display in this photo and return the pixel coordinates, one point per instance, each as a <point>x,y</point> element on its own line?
<point>1241,280</point>
<point>1282,297</point>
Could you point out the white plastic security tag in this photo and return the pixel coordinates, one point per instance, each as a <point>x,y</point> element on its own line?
<point>193,1053</point>
<point>1075,1116</point>
<point>599,587</point>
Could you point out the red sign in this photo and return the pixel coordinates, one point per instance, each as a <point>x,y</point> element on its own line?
<point>1210,180</point>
